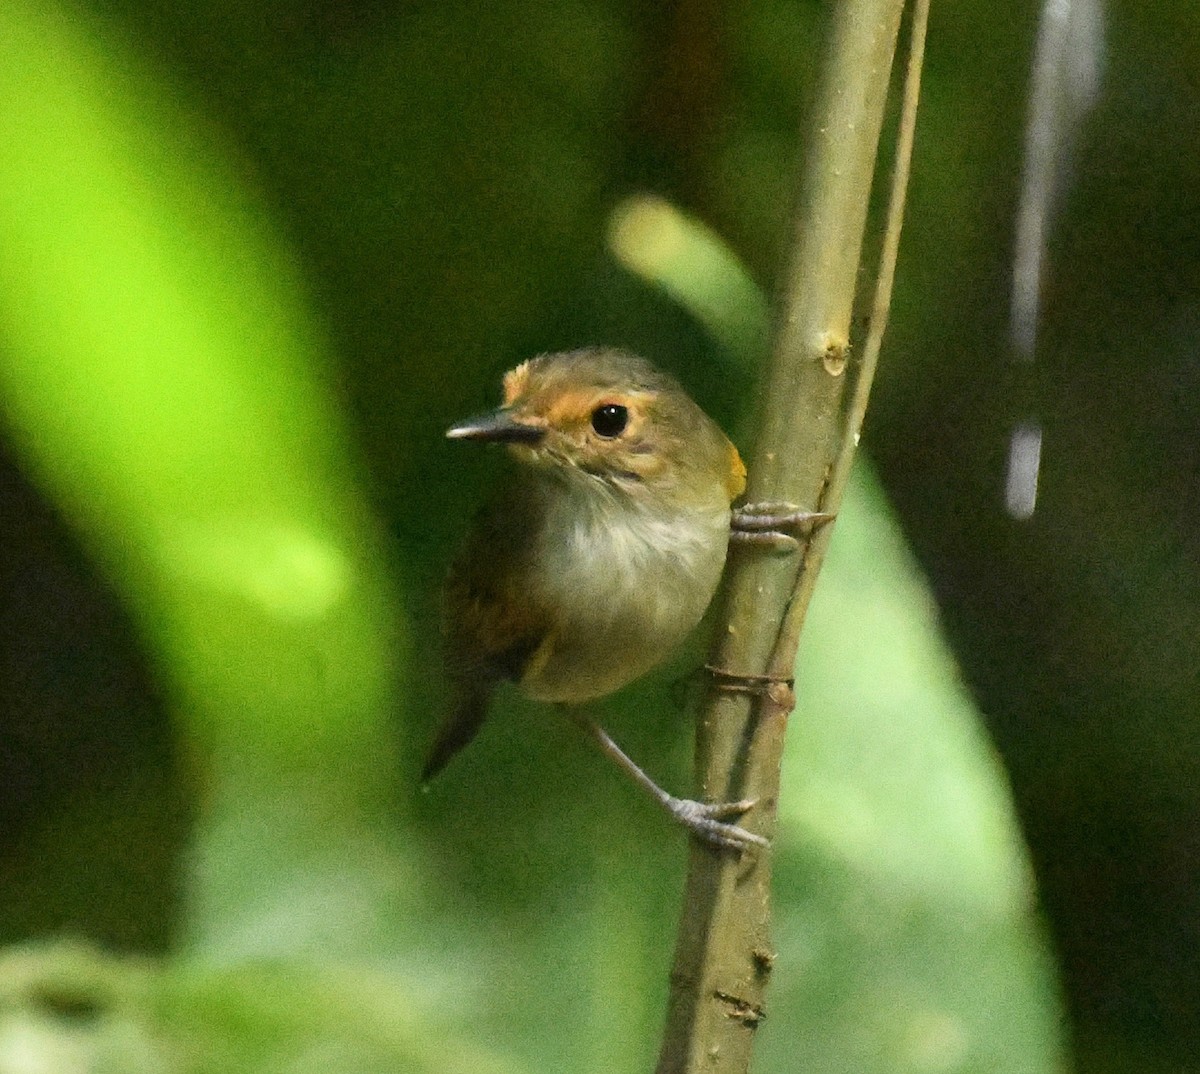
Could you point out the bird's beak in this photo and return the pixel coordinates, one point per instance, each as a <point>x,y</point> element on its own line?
<point>499,426</point>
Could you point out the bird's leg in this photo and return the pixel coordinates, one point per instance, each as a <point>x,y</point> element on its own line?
<point>707,820</point>
<point>768,523</point>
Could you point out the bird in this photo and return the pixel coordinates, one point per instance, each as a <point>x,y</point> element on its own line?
<point>598,552</point>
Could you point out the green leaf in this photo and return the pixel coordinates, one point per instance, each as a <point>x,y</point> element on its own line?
<point>67,1008</point>
<point>906,916</point>
<point>165,383</point>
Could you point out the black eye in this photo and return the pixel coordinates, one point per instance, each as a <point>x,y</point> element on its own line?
<point>610,420</point>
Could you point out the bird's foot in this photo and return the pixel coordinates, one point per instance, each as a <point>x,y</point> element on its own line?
<point>780,689</point>
<point>768,524</point>
<point>709,821</point>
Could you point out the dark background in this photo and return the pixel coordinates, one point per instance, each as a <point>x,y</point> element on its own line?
<point>445,172</point>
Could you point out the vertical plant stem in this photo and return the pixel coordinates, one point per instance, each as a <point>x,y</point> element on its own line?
<point>808,430</point>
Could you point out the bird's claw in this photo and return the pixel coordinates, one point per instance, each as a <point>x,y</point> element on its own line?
<point>709,821</point>
<point>767,523</point>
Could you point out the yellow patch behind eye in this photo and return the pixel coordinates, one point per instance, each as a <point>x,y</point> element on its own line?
<point>735,484</point>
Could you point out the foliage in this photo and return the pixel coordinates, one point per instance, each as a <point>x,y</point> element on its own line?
<point>238,304</point>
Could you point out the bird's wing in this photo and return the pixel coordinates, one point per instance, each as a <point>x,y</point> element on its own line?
<point>491,631</point>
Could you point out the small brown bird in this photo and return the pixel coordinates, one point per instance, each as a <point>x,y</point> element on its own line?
<point>597,554</point>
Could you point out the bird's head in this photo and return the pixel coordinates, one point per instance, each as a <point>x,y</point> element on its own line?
<point>606,416</point>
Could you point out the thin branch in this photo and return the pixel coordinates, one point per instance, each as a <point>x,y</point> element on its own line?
<point>884,278</point>
<point>808,432</point>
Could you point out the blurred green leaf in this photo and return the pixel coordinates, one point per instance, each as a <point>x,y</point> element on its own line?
<point>67,1009</point>
<point>168,388</point>
<point>674,251</point>
<point>907,917</point>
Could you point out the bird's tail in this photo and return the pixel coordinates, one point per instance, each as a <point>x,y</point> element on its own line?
<point>460,726</point>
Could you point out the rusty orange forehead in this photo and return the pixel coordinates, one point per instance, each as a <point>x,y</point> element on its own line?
<point>516,381</point>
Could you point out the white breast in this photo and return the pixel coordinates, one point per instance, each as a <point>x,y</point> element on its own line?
<point>631,582</point>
